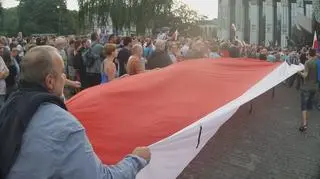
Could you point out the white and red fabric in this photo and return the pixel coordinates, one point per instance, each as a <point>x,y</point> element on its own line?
<point>315,43</point>
<point>174,111</point>
<point>233,27</point>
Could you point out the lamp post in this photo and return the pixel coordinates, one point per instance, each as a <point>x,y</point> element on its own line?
<point>59,24</point>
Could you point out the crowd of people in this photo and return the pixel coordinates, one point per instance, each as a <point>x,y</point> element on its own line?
<point>40,139</point>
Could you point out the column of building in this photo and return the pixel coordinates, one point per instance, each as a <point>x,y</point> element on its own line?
<point>254,21</point>
<point>239,16</point>
<point>224,19</point>
<point>300,7</point>
<point>246,21</point>
<point>270,22</point>
<point>284,23</point>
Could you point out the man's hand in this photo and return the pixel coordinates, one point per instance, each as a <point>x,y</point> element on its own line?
<point>73,84</point>
<point>4,75</point>
<point>76,84</point>
<point>143,152</point>
<point>123,76</point>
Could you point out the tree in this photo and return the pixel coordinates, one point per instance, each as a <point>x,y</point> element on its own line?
<point>141,13</point>
<point>45,16</point>
<point>1,15</point>
<point>123,13</point>
<point>181,17</point>
<point>10,21</point>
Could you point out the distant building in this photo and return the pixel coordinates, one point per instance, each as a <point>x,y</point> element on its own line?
<point>209,29</point>
<point>264,21</point>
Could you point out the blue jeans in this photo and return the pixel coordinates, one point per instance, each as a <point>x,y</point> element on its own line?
<point>307,99</point>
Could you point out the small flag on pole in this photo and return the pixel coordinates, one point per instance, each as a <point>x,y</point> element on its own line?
<point>233,27</point>
<point>315,44</point>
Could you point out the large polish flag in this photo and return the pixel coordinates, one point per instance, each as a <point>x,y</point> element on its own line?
<point>174,111</point>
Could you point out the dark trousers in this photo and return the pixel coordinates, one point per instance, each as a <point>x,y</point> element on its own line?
<point>10,89</point>
<point>92,79</point>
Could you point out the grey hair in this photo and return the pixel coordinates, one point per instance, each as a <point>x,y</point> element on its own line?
<point>161,45</point>
<point>60,42</point>
<point>136,47</point>
<point>37,64</point>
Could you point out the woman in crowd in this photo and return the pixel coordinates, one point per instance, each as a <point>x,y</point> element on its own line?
<point>148,48</point>
<point>109,70</point>
<point>12,79</point>
<point>224,49</point>
<point>4,72</point>
<point>135,63</point>
<point>78,61</point>
<point>214,51</point>
<point>174,52</point>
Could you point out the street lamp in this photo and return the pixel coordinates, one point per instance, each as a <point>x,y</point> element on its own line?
<point>58,7</point>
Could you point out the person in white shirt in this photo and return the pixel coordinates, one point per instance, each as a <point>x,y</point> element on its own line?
<point>184,50</point>
<point>4,72</point>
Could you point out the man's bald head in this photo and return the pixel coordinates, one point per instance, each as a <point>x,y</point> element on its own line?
<point>38,63</point>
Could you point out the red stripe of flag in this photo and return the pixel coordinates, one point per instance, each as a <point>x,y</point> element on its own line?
<point>146,108</point>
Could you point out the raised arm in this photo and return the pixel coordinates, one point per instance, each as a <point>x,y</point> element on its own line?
<point>80,162</point>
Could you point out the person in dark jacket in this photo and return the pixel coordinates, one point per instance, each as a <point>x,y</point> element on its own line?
<point>11,80</point>
<point>77,61</point>
<point>123,56</point>
<point>160,57</point>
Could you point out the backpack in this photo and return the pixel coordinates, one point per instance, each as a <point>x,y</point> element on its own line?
<point>89,57</point>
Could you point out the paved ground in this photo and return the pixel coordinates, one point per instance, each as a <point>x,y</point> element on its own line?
<point>263,145</point>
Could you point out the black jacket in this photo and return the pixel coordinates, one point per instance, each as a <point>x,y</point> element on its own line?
<point>158,60</point>
<point>15,115</point>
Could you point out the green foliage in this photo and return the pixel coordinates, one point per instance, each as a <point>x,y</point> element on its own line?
<point>39,17</point>
<point>10,22</point>
<point>181,17</point>
<point>141,13</point>
<point>44,16</point>
<point>122,13</point>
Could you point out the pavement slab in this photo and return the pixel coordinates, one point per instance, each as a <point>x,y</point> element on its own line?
<point>265,144</point>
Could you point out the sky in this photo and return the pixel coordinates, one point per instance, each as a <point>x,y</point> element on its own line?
<point>204,7</point>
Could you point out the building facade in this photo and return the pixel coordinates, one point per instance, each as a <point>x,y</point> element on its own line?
<point>261,21</point>
<point>208,29</point>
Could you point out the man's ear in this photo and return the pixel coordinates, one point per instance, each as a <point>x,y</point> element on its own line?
<point>49,82</point>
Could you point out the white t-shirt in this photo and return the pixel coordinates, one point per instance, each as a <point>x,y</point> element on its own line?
<point>162,36</point>
<point>20,49</point>
<point>4,69</point>
<point>184,50</point>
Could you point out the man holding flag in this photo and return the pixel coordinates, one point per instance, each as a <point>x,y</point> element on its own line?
<point>311,82</point>
<point>315,45</point>
<point>310,85</point>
